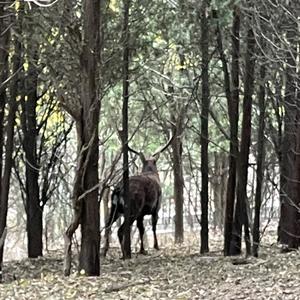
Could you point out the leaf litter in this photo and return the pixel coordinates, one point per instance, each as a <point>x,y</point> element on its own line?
<point>174,272</point>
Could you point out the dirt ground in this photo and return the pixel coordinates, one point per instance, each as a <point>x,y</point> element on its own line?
<point>174,272</point>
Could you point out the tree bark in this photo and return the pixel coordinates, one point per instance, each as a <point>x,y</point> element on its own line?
<point>289,216</point>
<point>204,127</point>
<point>218,183</point>
<point>5,180</point>
<point>126,245</point>
<point>89,258</point>
<point>233,112</point>
<point>176,145</point>
<point>260,160</point>
<point>4,50</point>
<point>107,231</point>
<point>178,185</point>
<point>241,215</point>
<point>9,133</point>
<point>34,209</point>
<point>85,191</point>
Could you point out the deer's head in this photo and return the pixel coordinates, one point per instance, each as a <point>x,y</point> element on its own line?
<point>149,164</point>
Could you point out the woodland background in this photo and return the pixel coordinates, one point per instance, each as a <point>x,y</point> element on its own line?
<point>82,80</point>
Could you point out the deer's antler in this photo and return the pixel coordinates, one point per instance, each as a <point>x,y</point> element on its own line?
<point>140,154</point>
<point>163,148</point>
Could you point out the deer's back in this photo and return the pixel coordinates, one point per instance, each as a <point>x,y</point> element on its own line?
<point>144,194</point>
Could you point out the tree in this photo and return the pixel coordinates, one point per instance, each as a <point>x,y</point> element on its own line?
<point>85,193</point>
<point>289,225</point>
<point>241,215</point>
<point>38,132</point>
<point>260,159</point>
<point>126,55</point>
<point>204,126</point>
<point>34,209</point>
<point>10,123</point>
<point>177,118</point>
<point>232,95</point>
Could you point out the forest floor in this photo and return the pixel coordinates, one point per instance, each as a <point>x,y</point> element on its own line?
<point>174,272</point>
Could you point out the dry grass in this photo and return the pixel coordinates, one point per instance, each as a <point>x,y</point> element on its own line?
<point>174,272</point>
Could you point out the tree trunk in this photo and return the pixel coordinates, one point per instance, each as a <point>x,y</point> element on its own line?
<point>204,127</point>
<point>294,214</point>
<point>241,215</point>
<point>107,231</point>
<point>260,160</point>
<point>289,224</point>
<point>34,210</point>
<point>89,258</point>
<point>178,188</point>
<point>5,180</point>
<point>177,113</point>
<point>126,244</point>
<point>176,145</point>
<point>233,111</point>
<point>4,51</point>
<point>218,183</point>
<point>9,133</point>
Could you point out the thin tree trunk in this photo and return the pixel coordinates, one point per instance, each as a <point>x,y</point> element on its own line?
<point>85,192</point>
<point>5,180</point>
<point>107,231</point>
<point>240,215</point>
<point>8,160</point>
<point>4,51</point>
<point>204,127</point>
<point>277,103</point>
<point>218,185</point>
<point>177,112</point>
<point>260,160</point>
<point>178,186</point>
<point>89,258</point>
<point>294,241</point>
<point>176,145</point>
<point>34,210</point>
<point>288,230</point>
<point>126,245</point>
<point>233,111</point>
<point>223,183</point>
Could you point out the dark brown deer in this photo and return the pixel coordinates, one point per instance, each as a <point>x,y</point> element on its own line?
<point>144,196</point>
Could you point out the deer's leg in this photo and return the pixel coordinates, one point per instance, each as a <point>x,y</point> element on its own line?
<point>154,223</point>
<point>121,235</point>
<point>141,228</point>
<point>113,217</point>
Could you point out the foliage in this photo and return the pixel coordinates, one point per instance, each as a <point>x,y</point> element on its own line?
<point>164,53</point>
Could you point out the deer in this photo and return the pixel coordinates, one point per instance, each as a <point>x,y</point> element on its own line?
<point>144,195</point>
